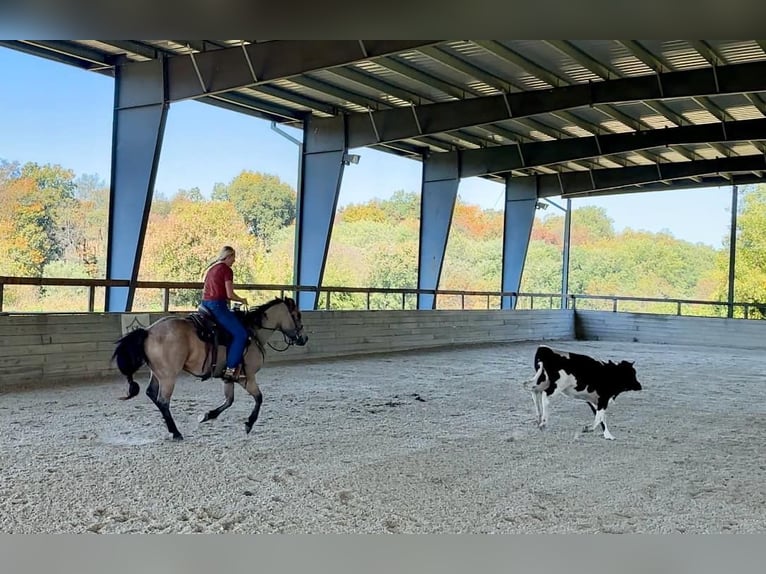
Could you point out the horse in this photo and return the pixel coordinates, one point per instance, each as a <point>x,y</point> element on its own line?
<point>174,344</point>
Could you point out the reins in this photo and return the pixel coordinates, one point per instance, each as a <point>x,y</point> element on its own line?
<point>288,342</point>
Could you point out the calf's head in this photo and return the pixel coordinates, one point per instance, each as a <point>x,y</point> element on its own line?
<point>628,376</point>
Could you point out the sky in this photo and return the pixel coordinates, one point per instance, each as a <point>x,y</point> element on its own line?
<point>55,113</point>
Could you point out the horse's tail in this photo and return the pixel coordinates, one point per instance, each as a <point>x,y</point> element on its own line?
<point>130,356</point>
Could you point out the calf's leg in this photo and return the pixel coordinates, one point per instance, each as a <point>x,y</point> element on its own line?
<point>600,420</point>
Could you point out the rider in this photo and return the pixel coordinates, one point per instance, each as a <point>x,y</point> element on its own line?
<point>216,294</point>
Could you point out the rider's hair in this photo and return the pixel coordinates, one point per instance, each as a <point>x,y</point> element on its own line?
<point>225,252</point>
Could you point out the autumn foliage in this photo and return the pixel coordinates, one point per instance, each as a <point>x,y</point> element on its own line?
<point>54,224</point>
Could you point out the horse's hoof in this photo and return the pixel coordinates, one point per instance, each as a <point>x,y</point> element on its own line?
<point>203,418</point>
<point>248,428</point>
<point>178,437</point>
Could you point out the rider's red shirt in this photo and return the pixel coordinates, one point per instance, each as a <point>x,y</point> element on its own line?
<point>215,282</point>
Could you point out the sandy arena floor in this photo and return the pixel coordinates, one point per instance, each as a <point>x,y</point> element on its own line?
<point>439,441</point>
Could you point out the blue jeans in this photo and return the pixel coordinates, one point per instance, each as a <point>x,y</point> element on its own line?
<point>228,320</point>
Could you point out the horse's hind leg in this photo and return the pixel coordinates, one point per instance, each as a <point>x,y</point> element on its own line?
<point>228,393</point>
<point>255,391</point>
<point>160,393</point>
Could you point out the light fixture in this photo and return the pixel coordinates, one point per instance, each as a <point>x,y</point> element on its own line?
<point>350,158</point>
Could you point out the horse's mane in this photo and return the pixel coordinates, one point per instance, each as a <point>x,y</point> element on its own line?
<point>254,317</point>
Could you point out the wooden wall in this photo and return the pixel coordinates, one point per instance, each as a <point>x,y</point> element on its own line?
<point>50,348</point>
<point>670,329</point>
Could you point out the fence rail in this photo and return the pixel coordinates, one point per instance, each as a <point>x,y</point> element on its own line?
<point>362,298</point>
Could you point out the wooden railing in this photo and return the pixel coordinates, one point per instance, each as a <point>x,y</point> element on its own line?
<point>372,298</point>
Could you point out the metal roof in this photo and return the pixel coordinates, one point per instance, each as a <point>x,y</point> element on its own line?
<point>549,108</point>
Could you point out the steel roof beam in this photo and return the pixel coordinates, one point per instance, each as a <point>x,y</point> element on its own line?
<point>583,182</point>
<point>447,116</point>
<point>692,183</point>
<point>47,53</point>
<point>506,158</point>
<point>214,71</point>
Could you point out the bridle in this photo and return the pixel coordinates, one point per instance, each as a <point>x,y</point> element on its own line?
<point>289,342</point>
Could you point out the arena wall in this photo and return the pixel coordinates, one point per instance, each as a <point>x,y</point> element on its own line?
<point>51,348</point>
<point>670,329</point>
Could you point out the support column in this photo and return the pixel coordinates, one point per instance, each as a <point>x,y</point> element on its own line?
<point>520,206</point>
<point>140,110</point>
<point>441,177</point>
<point>324,150</point>
<point>732,251</point>
<point>565,255</point>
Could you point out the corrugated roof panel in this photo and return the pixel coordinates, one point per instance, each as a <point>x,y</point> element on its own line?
<point>356,88</point>
<point>639,159</point>
<point>576,131</point>
<point>255,93</point>
<point>523,130</point>
<point>656,121</point>
<point>446,73</point>
<point>745,113</point>
<point>738,51</point>
<point>607,163</point>
<point>607,123</point>
<point>670,155</point>
<point>419,91</point>
<point>699,151</point>
<point>615,127</point>
<point>501,68</point>
<point>730,100</point>
<point>170,45</point>
<point>538,135</point>
<point>679,54</point>
<point>107,48</point>
<point>700,117</point>
<point>744,148</point>
<point>551,59</point>
<point>615,55</point>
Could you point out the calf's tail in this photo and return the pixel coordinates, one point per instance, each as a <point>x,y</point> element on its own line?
<point>130,356</point>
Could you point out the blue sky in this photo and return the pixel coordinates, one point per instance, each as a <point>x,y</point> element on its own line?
<point>54,113</point>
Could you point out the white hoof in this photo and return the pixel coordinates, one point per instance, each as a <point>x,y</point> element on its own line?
<point>201,418</point>
<point>608,436</point>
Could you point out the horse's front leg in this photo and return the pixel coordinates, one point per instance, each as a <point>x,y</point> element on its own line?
<point>228,393</point>
<point>255,391</point>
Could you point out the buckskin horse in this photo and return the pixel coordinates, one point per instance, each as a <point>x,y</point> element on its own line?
<point>197,345</point>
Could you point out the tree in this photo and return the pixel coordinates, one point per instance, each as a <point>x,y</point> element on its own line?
<point>590,224</point>
<point>179,246</point>
<point>264,202</point>
<point>750,264</point>
<point>25,229</point>
<point>402,205</point>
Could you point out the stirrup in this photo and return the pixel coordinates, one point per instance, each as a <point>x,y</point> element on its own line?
<point>229,375</point>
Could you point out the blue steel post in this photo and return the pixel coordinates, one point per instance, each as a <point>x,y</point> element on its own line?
<point>324,149</point>
<point>140,110</point>
<point>441,178</point>
<point>565,255</point>
<point>520,205</point>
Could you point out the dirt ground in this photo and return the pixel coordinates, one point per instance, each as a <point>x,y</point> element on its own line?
<point>428,442</point>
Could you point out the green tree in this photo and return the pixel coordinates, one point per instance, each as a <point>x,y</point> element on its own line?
<point>264,202</point>
<point>179,246</point>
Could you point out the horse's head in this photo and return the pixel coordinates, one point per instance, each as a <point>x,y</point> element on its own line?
<point>282,315</point>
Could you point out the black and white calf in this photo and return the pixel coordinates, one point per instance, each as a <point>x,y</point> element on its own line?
<point>580,377</point>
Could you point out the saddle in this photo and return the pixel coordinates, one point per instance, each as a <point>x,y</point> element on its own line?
<point>213,335</point>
